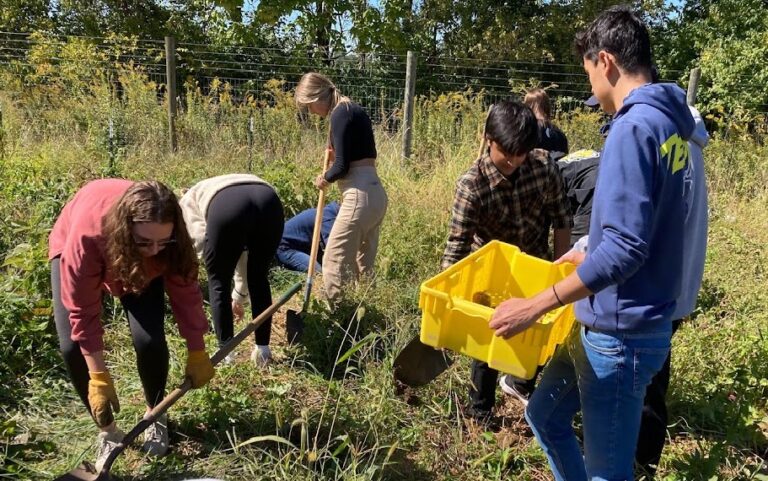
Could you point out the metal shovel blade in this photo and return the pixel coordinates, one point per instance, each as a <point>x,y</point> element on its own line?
<point>294,326</point>
<point>419,364</point>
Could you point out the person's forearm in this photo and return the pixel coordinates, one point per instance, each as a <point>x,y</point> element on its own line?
<point>568,291</point>
<point>562,241</point>
<point>572,289</point>
<point>338,169</point>
<point>95,361</point>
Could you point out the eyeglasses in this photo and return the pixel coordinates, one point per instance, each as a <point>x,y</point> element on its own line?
<point>149,243</point>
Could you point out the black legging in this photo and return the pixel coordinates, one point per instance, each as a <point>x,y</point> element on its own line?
<point>146,317</point>
<point>241,217</point>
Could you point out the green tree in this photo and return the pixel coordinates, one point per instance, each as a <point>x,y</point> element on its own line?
<point>728,39</point>
<point>140,18</point>
<point>311,23</point>
<point>24,15</point>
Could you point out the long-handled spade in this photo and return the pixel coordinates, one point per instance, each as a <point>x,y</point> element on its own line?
<point>87,472</point>
<point>294,321</point>
<point>419,364</point>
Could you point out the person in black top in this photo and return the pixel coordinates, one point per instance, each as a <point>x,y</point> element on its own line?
<point>353,242</point>
<point>579,173</point>
<point>551,138</point>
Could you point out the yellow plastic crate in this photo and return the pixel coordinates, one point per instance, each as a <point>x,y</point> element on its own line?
<point>450,318</point>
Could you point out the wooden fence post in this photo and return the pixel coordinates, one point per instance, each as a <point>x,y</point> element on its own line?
<point>693,86</point>
<point>170,91</point>
<point>410,90</point>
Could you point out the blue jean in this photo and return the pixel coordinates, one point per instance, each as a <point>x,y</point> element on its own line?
<point>295,260</point>
<point>603,374</point>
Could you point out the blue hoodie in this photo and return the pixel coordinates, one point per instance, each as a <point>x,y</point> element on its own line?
<point>634,259</point>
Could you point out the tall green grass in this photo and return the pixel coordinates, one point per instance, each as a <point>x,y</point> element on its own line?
<point>328,410</point>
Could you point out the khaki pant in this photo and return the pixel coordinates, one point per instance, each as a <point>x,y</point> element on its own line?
<point>354,238</point>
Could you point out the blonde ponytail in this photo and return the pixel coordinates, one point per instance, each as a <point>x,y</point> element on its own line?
<point>315,87</point>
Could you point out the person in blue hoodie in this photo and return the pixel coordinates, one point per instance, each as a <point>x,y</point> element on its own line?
<point>626,286</point>
<point>653,425</point>
<point>295,246</point>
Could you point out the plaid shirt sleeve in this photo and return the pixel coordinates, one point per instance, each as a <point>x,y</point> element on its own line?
<point>557,201</point>
<point>463,225</point>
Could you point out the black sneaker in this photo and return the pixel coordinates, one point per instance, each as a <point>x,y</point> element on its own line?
<point>511,385</point>
<point>485,420</point>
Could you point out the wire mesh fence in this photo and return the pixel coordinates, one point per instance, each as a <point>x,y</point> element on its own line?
<point>254,77</point>
<point>376,81</point>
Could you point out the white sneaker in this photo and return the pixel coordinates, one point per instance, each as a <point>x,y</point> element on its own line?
<point>229,359</point>
<point>156,437</point>
<point>261,356</point>
<point>515,389</point>
<point>106,442</point>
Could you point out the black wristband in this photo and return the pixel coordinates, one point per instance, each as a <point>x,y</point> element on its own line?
<point>556,296</point>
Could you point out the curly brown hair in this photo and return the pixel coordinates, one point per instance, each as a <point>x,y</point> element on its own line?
<point>148,201</point>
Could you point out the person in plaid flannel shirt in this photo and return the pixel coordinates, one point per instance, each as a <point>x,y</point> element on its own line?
<point>512,193</point>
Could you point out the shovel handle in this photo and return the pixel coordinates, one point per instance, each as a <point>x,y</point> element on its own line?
<point>483,140</point>
<point>253,325</point>
<point>180,391</point>
<point>316,233</point>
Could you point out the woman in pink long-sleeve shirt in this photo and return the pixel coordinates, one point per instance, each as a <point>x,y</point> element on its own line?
<point>128,239</point>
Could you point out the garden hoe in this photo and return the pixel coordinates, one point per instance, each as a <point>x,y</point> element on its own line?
<point>87,472</point>
<point>294,321</point>
<point>419,364</point>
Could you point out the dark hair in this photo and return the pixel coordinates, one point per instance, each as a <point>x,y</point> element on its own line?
<point>538,100</point>
<point>513,126</point>
<point>621,33</point>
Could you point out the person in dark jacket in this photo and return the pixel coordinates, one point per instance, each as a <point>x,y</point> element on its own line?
<point>551,138</point>
<point>296,245</point>
<point>579,174</point>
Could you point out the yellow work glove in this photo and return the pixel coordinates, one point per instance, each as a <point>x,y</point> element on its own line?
<point>199,368</point>
<point>102,398</point>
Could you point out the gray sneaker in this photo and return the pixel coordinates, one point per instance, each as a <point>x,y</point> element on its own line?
<point>156,437</point>
<point>106,442</point>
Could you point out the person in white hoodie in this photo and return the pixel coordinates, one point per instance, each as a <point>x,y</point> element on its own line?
<point>236,222</point>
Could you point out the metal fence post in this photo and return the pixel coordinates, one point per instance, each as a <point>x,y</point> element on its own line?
<point>170,91</point>
<point>693,86</point>
<point>410,90</point>
<point>111,146</point>
<point>250,142</point>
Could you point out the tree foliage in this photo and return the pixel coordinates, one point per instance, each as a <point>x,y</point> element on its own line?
<point>726,38</point>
